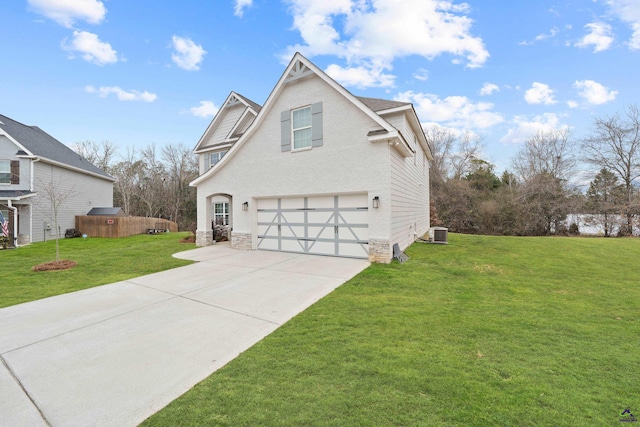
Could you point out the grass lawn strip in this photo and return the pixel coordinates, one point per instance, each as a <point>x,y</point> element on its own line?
<point>99,261</point>
<point>484,331</point>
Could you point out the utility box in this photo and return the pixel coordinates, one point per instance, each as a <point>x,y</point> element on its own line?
<point>439,235</point>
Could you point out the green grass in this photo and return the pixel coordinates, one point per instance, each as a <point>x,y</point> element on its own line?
<point>100,261</point>
<point>487,331</point>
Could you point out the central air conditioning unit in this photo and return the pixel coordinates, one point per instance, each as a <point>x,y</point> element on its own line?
<point>439,235</point>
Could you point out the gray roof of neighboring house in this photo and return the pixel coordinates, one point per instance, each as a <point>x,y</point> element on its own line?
<point>15,194</point>
<point>41,144</point>
<point>106,212</point>
<point>381,104</point>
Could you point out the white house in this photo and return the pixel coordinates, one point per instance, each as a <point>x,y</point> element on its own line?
<point>314,170</point>
<point>34,164</point>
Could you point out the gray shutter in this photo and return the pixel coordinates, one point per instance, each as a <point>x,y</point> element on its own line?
<point>207,161</point>
<point>316,124</point>
<point>15,172</point>
<point>285,131</point>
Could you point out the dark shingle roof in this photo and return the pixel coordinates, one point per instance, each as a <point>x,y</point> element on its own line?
<point>41,144</point>
<point>106,212</point>
<point>15,194</point>
<point>381,104</point>
<point>257,107</point>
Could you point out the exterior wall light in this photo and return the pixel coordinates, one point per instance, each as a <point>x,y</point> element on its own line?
<point>245,206</point>
<point>376,202</point>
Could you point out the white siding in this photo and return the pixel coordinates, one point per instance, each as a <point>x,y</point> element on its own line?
<point>409,196</point>
<point>84,192</point>
<point>230,118</point>
<point>346,163</point>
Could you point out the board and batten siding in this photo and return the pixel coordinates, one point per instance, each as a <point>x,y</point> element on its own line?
<point>409,196</point>
<point>84,193</point>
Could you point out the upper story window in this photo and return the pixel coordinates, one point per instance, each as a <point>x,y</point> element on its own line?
<point>5,172</point>
<point>301,127</point>
<point>216,157</point>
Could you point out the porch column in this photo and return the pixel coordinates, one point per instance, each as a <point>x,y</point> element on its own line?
<point>204,233</point>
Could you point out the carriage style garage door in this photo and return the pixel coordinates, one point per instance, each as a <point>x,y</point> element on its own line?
<point>320,225</point>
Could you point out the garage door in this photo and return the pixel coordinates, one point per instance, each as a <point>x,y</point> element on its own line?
<point>320,225</point>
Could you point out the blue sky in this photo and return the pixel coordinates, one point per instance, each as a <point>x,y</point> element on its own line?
<point>147,72</point>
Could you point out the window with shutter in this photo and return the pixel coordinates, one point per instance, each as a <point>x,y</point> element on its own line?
<point>15,172</point>
<point>5,172</point>
<point>301,128</point>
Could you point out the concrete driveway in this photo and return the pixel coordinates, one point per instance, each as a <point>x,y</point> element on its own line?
<point>115,354</point>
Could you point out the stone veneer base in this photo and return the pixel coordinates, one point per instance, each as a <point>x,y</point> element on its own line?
<point>379,251</point>
<point>242,241</point>
<point>204,238</point>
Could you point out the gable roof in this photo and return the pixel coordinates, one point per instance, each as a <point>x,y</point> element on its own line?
<point>301,67</point>
<point>34,142</point>
<point>252,108</point>
<point>382,104</point>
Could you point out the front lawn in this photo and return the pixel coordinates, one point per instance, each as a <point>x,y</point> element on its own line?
<point>503,331</point>
<point>100,261</point>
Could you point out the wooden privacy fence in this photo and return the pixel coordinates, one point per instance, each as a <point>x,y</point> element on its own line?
<point>104,226</point>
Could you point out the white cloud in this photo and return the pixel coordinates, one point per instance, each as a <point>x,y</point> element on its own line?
<point>552,33</point>
<point>66,12</point>
<point>525,127</point>
<point>372,34</point>
<point>600,37</point>
<point>240,6</point>
<point>422,75</point>
<point>360,77</point>
<point>452,111</point>
<point>628,11</point>
<point>488,89</point>
<point>91,48</point>
<point>539,93</point>
<point>593,92</point>
<point>187,55</point>
<point>573,104</point>
<point>122,95</point>
<point>205,109</point>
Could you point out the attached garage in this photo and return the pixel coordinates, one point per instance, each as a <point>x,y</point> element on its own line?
<point>315,170</point>
<point>335,225</point>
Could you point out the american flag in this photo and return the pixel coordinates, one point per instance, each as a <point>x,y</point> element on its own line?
<point>5,225</point>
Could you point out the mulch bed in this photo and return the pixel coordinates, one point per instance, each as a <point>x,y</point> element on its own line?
<point>64,264</point>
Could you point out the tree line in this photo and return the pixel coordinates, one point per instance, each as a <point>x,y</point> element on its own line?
<point>149,182</point>
<point>535,197</point>
<point>543,186</point>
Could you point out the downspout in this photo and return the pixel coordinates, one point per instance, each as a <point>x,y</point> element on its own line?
<point>15,222</point>
<point>32,189</point>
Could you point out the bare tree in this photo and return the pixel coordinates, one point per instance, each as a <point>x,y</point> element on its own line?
<point>549,153</point>
<point>100,154</point>
<point>442,141</point>
<point>153,189</point>
<point>615,146</point>
<point>181,168</point>
<point>469,150</point>
<point>53,195</point>
<point>544,164</point>
<point>128,174</point>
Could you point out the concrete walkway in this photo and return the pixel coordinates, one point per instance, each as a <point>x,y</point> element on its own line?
<point>115,354</point>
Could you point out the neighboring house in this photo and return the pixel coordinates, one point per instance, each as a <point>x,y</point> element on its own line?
<point>33,165</point>
<point>314,170</point>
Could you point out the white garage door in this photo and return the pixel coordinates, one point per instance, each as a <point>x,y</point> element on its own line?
<point>320,225</point>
